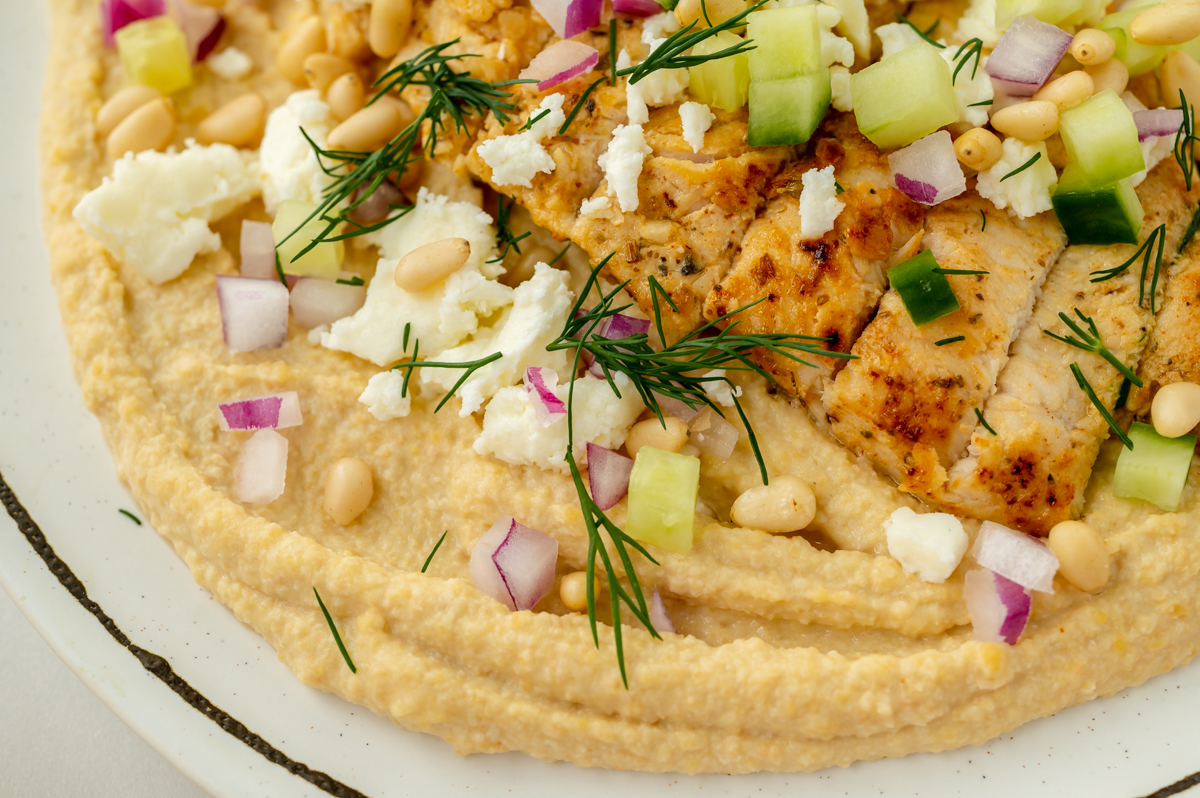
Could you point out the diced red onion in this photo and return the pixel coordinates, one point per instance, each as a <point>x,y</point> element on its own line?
<point>258,250</point>
<point>658,614</point>
<point>377,206</point>
<point>999,607</point>
<point>540,383</point>
<point>1159,122</point>
<point>316,301</point>
<point>560,62</point>
<point>116,14</point>
<point>276,411</point>
<point>712,434</point>
<point>927,171</point>
<point>570,18</point>
<point>621,326</point>
<point>202,27</point>
<point>1026,56</point>
<point>681,410</point>
<point>636,8</point>
<point>608,475</point>
<point>514,564</point>
<point>261,468</point>
<point>1016,556</point>
<point>254,313</point>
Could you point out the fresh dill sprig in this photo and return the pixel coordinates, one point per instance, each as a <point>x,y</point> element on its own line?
<point>940,270</point>
<point>612,51</point>
<point>1087,388</point>
<point>983,421</point>
<point>1152,247</point>
<point>1185,141</point>
<point>559,256</point>
<point>355,280</point>
<point>504,233</point>
<point>336,637</point>
<point>672,53</point>
<point>837,188</point>
<point>1090,341</point>
<point>436,546</point>
<point>922,33</point>
<point>983,215</point>
<point>468,368</point>
<point>131,517</point>
<point>1022,167</point>
<point>971,48</point>
<point>1123,395</point>
<point>981,102</point>
<point>953,340</point>
<point>531,121</point>
<point>279,270</point>
<point>583,98</point>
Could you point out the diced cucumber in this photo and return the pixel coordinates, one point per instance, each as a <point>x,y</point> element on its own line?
<point>1090,11</point>
<point>154,52</point>
<point>723,84</point>
<point>1192,48</point>
<point>787,42</point>
<point>668,5</point>
<point>1052,11</point>
<point>1138,57</point>
<point>1107,214</point>
<point>904,97</point>
<point>1102,138</point>
<point>787,111</point>
<point>926,294</point>
<point>324,260</point>
<point>662,499</point>
<point>1155,469</point>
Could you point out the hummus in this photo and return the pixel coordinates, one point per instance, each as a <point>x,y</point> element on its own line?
<point>793,653</point>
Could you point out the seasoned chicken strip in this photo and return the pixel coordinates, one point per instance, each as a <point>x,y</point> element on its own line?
<point>1032,473</point>
<point>908,403</point>
<point>828,286</point>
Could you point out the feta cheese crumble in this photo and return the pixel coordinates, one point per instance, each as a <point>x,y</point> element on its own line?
<point>622,164</point>
<point>721,392</point>
<point>515,160</point>
<point>819,205</point>
<point>839,85</point>
<point>697,118</point>
<point>930,545</point>
<point>290,169</point>
<point>1027,193</point>
<point>979,22</point>
<point>969,90</point>
<point>382,396</point>
<point>660,87</point>
<point>594,205</point>
<point>153,213</point>
<point>230,64</point>
<point>896,37</point>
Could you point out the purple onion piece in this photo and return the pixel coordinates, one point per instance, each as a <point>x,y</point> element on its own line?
<point>276,411</point>
<point>1017,604</point>
<point>514,564</point>
<point>608,475</point>
<point>377,206</point>
<point>254,312</point>
<point>658,614</point>
<point>315,301</point>
<point>1026,56</point>
<point>999,608</point>
<point>927,171</point>
<point>116,14</point>
<point>581,15</point>
<point>1158,122</point>
<point>621,326</point>
<point>540,383</point>
<point>261,471</point>
<point>917,191</point>
<point>636,8</point>
<point>258,250</point>
<point>681,410</point>
<point>712,434</point>
<point>209,42</point>
<point>1016,556</point>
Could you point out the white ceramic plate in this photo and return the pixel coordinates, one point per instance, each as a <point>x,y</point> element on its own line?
<point>214,700</point>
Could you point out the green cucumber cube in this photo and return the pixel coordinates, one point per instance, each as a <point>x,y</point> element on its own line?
<point>1106,214</point>
<point>926,294</point>
<point>154,52</point>
<point>668,5</point>
<point>1102,138</point>
<point>787,111</point>
<point>662,499</point>
<point>904,97</point>
<point>787,42</point>
<point>1052,11</point>
<point>1155,469</point>
<point>324,260</point>
<point>723,84</point>
<point>1140,58</point>
<point>1192,48</point>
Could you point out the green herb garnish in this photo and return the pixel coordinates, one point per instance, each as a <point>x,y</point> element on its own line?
<point>838,188</point>
<point>131,517</point>
<point>1091,394</point>
<point>922,33</point>
<point>436,546</point>
<point>336,637</point>
<point>1123,395</point>
<point>1185,141</point>
<point>981,102</point>
<point>940,270</point>
<point>1091,342</point>
<point>1022,167</point>
<point>355,280</point>
<point>983,421</point>
<point>612,51</point>
<point>504,234</point>
<point>953,340</point>
<point>575,110</point>
<point>1157,237</point>
<point>672,53</point>
<point>279,270</point>
<point>531,121</point>
<point>983,215</point>
<point>971,48</point>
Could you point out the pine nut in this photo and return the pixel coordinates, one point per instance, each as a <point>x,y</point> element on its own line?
<point>573,590</point>
<point>427,266</point>
<point>306,39</point>
<point>389,26</point>
<point>414,170</point>
<point>688,11</point>
<point>150,127</point>
<point>1179,72</point>
<point>1175,410</point>
<point>122,104</point>
<point>1112,74</point>
<point>652,433</point>
<point>369,129</point>
<point>1172,22</point>
<point>1082,557</point>
<point>238,123</point>
<point>978,149</point>
<point>1092,47</point>
<point>345,96</point>
<point>1035,120</point>
<point>321,69</point>
<point>210,3</point>
<point>785,505</point>
<point>348,490</point>
<point>1067,91</point>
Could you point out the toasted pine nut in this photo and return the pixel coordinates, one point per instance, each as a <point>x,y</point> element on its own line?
<point>785,505</point>
<point>345,96</point>
<point>210,3</point>
<point>1112,74</point>
<point>306,39</point>
<point>1067,91</point>
<point>389,26</point>
<point>148,128</point>
<point>122,104</point>
<point>1172,22</point>
<point>652,433</point>
<point>573,590</point>
<point>1035,120</point>
<point>1176,409</point>
<point>414,170</point>
<point>427,266</point>
<point>369,129</point>
<point>1179,72</point>
<point>321,69</point>
<point>348,490</point>
<point>238,123</point>
<point>978,148</point>
<point>688,11</point>
<point>1082,557</point>
<point>1092,47</point>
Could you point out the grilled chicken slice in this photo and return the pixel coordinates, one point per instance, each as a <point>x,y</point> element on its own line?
<point>908,403</point>
<point>829,286</point>
<point>1032,473</point>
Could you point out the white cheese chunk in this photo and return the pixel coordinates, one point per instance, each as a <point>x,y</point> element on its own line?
<point>382,396</point>
<point>896,37</point>
<point>930,545</point>
<point>819,205</point>
<point>834,49</point>
<point>839,84</point>
<point>290,169</point>
<point>1027,193</point>
<point>697,118</point>
<point>970,91</point>
<point>721,392</point>
<point>515,160</point>
<point>230,64</point>
<point>153,213</point>
<point>622,164</point>
<point>594,205</point>
<point>979,22</point>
